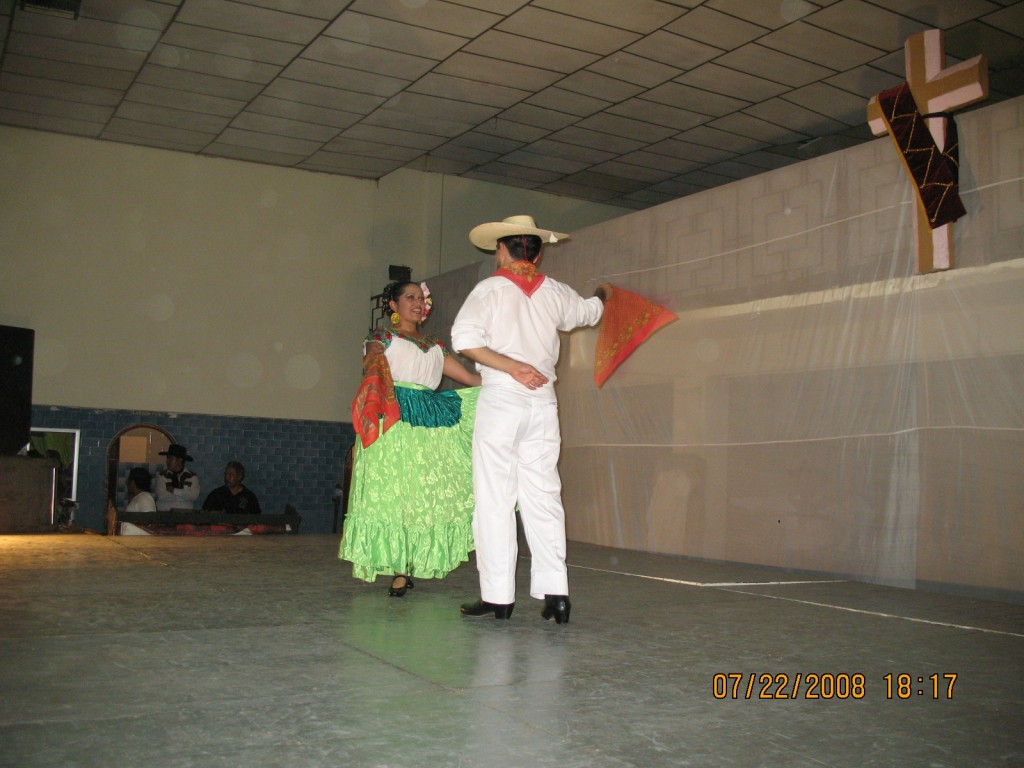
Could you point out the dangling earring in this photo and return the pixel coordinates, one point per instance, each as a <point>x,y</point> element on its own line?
<point>395,318</point>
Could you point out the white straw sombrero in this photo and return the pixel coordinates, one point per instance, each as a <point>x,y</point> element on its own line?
<point>486,235</point>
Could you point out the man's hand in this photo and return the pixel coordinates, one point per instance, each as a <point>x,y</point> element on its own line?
<point>527,375</point>
<point>524,373</point>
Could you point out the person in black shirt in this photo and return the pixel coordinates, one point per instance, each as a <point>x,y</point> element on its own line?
<point>233,497</point>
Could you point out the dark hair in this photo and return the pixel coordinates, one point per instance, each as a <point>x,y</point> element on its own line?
<point>393,290</point>
<point>237,466</point>
<point>522,247</point>
<point>141,477</point>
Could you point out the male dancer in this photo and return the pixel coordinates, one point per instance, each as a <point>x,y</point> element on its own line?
<point>509,326</point>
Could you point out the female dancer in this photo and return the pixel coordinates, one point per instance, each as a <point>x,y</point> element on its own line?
<point>410,505</point>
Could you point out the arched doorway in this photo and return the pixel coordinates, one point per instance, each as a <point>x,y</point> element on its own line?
<point>134,446</point>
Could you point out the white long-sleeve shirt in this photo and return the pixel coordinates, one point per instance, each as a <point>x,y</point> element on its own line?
<point>498,315</point>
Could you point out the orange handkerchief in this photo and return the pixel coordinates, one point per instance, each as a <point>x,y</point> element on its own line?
<point>374,400</point>
<point>628,321</point>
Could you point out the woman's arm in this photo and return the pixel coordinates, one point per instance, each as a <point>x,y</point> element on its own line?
<point>453,369</point>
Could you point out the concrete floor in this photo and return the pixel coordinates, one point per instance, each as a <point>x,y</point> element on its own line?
<point>263,651</point>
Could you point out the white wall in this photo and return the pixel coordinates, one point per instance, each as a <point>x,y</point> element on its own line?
<point>158,280</point>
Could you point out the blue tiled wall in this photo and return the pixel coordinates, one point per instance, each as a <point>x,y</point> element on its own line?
<point>286,461</point>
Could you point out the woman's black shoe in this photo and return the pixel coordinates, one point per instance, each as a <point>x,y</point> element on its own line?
<point>557,607</point>
<point>398,590</point>
<point>483,608</point>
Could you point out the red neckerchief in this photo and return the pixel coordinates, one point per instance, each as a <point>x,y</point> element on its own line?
<point>524,274</point>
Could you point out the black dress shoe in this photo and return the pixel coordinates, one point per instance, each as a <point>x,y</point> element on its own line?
<point>483,608</point>
<point>557,607</point>
<point>399,591</point>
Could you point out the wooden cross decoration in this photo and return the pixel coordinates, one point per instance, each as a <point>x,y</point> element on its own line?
<point>933,169</point>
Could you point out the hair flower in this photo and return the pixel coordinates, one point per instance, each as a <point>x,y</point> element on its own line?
<point>428,303</point>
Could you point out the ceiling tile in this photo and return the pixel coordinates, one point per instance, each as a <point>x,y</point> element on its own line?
<point>713,137</point>
<point>43,105</point>
<point>231,44</point>
<point>771,15</point>
<point>864,81</point>
<point>395,136</point>
<point>474,91</point>
<point>867,23</point>
<point>941,14</point>
<point>730,82</point>
<point>673,50</point>
<point>544,162</point>
<point>306,113</point>
<point>11,114</point>
<point>511,130</point>
<point>659,114</point>
<point>804,41</point>
<point>757,60</point>
<point>394,35</point>
<point>255,121</point>
<point>250,20</point>
<point>231,67</point>
<point>75,52</point>
<point>635,172</point>
<point>351,165</point>
<point>319,73</point>
<point>616,145</point>
<point>622,126</point>
<point>436,15</point>
<point>567,101</point>
<point>172,118</point>
<point>402,120</point>
<point>57,89</point>
<point>485,143</point>
<point>694,99</point>
<point>367,58</point>
<point>350,146</point>
<point>198,83</point>
<point>612,89</point>
<point>422,105</point>
<point>794,117</point>
<point>827,100</point>
<point>1001,49</point>
<point>637,70</point>
<point>756,128</point>
<point>486,69</point>
<point>193,138</point>
<point>548,119</point>
<point>188,100</point>
<point>82,74</point>
<point>89,31</point>
<point>644,16</point>
<point>659,162</point>
<point>322,96</point>
<point>717,29</point>
<point>586,155</point>
<point>567,30</point>
<point>268,141</point>
<point>515,171</point>
<point>537,53</point>
<point>686,151</point>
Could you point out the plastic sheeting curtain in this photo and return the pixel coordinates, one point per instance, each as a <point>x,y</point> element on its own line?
<point>818,405</point>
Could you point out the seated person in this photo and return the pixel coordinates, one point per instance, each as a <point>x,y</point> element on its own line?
<point>232,497</point>
<point>139,497</point>
<point>176,487</point>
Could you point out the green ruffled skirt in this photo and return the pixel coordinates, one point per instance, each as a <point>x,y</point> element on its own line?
<point>410,504</point>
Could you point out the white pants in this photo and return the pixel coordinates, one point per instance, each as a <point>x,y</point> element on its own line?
<point>516,442</point>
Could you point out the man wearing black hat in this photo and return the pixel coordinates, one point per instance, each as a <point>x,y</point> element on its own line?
<point>176,487</point>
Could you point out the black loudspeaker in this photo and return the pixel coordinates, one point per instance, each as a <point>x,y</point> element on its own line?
<point>16,347</point>
<point>399,274</point>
